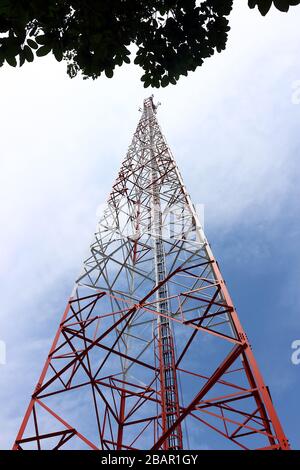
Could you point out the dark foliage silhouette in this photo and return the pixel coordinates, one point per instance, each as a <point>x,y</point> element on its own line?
<point>172,37</point>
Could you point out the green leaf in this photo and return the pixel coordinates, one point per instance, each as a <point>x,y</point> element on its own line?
<point>32,43</point>
<point>42,39</point>
<point>28,54</point>
<point>263,5</point>
<point>109,73</point>
<point>125,50</point>
<point>22,58</point>
<point>11,61</point>
<point>165,81</point>
<point>57,51</point>
<point>44,50</point>
<point>126,59</point>
<point>138,60</point>
<point>119,60</point>
<point>283,5</point>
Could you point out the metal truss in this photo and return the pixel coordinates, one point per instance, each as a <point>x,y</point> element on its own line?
<point>150,352</point>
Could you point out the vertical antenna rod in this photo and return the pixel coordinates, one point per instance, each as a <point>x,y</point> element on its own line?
<point>166,353</point>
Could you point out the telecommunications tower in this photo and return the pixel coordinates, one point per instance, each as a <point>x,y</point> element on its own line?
<point>150,352</point>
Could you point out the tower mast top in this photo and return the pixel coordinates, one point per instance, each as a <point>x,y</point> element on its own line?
<point>149,104</point>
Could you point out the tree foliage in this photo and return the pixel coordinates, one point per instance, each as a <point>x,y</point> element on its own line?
<point>265,5</point>
<point>172,37</point>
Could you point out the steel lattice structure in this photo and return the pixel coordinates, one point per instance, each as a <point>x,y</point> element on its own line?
<point>150,352</point>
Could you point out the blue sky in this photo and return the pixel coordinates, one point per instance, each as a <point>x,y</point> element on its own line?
<point>233,127</point>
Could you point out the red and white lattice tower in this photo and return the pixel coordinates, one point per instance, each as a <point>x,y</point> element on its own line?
<point>150,352</point>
